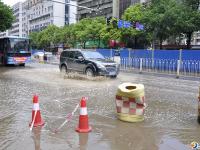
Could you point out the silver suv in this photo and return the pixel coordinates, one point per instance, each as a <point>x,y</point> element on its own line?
<point>91,63</point>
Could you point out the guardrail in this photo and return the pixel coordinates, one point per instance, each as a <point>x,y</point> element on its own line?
<point>171,66</point>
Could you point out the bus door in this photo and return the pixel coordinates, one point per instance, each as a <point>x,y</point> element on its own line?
<point>1,51</point>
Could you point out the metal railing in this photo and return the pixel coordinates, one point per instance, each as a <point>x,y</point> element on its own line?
<point>170,66</point>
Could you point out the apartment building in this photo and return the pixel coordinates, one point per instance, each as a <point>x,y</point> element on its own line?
<point>24,19</point>
<point>102,7</point>
<point>40,14</point>
<point>124,4</point>
<point>35,15</point>
<point>106,8</point>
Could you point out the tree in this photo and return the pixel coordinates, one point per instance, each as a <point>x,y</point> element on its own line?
<point>134,14</point>
<point>89,29</point>
<point>34,40</point>
<point>188,20</point>
<point>68,35</point>
<point>6,17</point>
<point>159,19</point>
<point>49,36</point>
<point>94,29</point>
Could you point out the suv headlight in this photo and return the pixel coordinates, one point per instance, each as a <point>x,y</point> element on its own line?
<point>101,66</point>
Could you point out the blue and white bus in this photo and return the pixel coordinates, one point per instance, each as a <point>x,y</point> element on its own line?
<point>14,50</point>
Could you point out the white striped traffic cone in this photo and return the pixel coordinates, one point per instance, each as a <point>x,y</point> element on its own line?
<point>83,126</point>
<point>36,116</point>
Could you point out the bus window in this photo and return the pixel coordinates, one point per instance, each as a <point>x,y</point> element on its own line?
<point>1,45</point>
<point>17,45</point>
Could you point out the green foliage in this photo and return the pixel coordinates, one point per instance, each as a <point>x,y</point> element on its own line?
<point>134,14</point>
<point>188,19</point>
<point>44,39</point>
<point>85,30</point>
<point>89,28</point>
<point>110,32</point>
<point>6,17</point>
<point>162,19</point>
<point>34,36</point>
<point>159,18</point>
<point>68,35</point>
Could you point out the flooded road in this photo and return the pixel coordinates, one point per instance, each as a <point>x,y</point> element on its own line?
<point>170,118</point>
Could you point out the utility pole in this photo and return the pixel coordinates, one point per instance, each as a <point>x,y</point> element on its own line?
<point>116,8</point>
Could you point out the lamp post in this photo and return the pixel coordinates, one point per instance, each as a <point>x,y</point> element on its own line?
<point>116,8</point>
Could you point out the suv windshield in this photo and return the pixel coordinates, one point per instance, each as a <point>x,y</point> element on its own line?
<point>92,55</point>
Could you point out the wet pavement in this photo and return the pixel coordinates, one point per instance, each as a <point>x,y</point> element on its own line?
<point>170,118</point>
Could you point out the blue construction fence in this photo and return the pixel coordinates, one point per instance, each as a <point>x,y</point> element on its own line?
<point>155,54</point>
<point>161,54</point>
<point>158,59</point>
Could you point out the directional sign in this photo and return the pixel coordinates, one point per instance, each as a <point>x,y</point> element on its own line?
<point>127,24</point>
<point>124,24</point>
<point>139,26</point>
<point>120,24</point>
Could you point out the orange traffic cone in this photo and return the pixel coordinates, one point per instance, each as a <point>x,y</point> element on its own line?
<point>83,126</point>
<point>36,116</point>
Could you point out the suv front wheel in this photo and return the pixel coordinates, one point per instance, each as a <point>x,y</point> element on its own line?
<point>63,69</point>
<point>89,72</point>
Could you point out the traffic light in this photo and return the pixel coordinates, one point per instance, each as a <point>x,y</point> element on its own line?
<point>115,22</point>
<point>108,20</point>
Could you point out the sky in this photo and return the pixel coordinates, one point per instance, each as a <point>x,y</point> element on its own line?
<point>11,2</point>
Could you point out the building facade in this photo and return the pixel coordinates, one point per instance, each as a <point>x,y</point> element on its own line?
<point>124,4</point>
<point>35,15</point>
<point>102,7</point>
<point>106,8</point>
<point>41,13</point>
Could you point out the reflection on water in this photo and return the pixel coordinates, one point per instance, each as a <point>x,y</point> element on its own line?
<point>83,140</point>
<point>169,143</point>
<point>170,118</point>
<point>36,137</point>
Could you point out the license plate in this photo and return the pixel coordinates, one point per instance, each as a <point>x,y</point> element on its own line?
<point>112,73</point>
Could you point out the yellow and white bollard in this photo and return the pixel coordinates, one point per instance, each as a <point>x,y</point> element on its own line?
<point>130,102</point>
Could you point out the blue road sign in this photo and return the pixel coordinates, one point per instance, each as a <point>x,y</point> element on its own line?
<point>120,24</point>
<point>139,26</point>
<point>127,24</point>
<point>124,24</point>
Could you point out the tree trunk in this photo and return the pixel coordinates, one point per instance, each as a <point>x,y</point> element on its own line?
<point>99,42</point>
<point>189,37</point>
<point>161,41</point>
<point>84,44</point>
<point>135,43</point>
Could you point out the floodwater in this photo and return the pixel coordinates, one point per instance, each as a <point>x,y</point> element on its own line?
<point>170,118</point>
